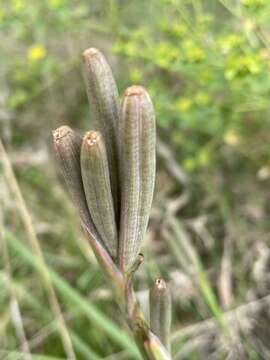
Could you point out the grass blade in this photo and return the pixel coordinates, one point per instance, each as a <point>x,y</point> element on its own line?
<point>86,307</point>
<point>34,243</point>
<point>16,355</point>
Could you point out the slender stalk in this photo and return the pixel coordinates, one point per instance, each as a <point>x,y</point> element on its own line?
<point>14,304</point>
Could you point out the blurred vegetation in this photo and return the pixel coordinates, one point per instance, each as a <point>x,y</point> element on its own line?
<point>206,65</point>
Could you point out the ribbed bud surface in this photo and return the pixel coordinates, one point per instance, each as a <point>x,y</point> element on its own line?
<point>137,135</point>
<point>160,311</point>
<point>104,104</point>
<point>97,188</point>
<point>67,144</point>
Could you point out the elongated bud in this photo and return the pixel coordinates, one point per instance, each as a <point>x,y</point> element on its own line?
<point>97,188</point>
<point>103,98</point>
<point>67,144</point>
<point>137,159</point>
<point>160,311</point>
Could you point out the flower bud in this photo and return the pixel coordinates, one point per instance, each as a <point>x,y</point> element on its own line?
<point>103,98</point>
<point>137,155</point>
<point>160,311</point>
<point>97,188</point>
<point>67,144</point>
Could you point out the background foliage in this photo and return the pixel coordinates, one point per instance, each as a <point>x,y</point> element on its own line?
<point>206,65</point>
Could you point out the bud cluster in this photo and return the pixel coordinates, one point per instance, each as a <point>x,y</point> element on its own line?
<point>110,174</point>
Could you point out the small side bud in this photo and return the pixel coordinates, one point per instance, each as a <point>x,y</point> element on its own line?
<point>97,188</point>
<point>160,311</point>
<point>67,144</point>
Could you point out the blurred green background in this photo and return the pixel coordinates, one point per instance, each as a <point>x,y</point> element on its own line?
<point>206,65</point>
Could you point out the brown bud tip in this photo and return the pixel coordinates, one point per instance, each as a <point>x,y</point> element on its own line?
<point>140,258</point>
<point>135,90</point>
<point>92,137</point>
<point>160,284</point>
<point>89,53</point>
<point>61,132</point>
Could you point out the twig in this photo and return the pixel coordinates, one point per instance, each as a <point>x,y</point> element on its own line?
<point>232,317</point>
<point>173,167</point>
